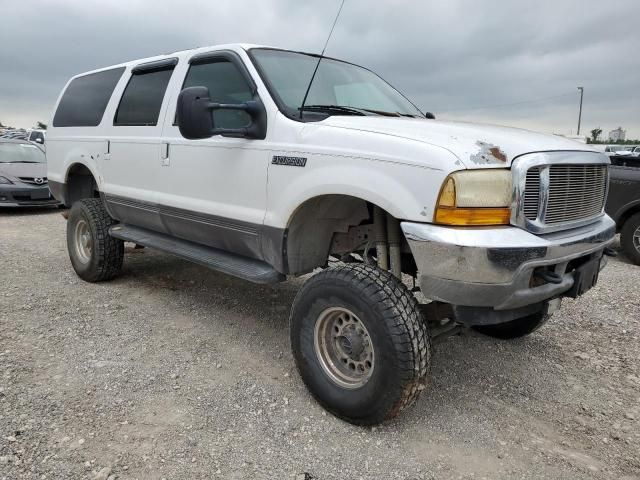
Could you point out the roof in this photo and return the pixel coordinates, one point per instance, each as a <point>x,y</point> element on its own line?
<point>192,51</point>
<point>14,140</point>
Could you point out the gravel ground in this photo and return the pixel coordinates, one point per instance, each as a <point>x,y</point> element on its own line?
<point>174,371</point>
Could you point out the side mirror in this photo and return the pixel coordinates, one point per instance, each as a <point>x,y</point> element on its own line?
<point>430,116</point>
<point>195,118</point>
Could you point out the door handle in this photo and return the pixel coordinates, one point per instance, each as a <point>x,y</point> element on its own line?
<point>164,154</point>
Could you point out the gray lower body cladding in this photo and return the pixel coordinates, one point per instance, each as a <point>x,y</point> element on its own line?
<point>245,239</point>
<point>58,190</point>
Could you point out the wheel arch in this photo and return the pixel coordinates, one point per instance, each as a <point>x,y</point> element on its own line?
<point>311,227</point>
<point>627,212</point>
<point>80,182</point>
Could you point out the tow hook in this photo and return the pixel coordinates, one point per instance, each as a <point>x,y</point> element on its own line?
<point>610,252</point>
<point>549,277</point>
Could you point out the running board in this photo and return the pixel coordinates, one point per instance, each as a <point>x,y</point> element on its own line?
<point>246,268</point>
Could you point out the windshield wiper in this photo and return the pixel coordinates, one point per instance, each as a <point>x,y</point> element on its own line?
<point>354,110</point>
<point>386,114</point>
<point>334,109</point>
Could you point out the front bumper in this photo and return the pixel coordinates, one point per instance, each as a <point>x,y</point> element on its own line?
<point>494,266</point>
<point>17,196</point>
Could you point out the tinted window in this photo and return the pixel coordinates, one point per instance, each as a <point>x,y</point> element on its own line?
<point>85,99</point>
<point>36,136</point>
<point>226,85</point>
<point>142,99</point>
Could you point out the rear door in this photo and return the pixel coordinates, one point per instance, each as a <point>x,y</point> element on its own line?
<point>216,188</point>
<point>134,148</point>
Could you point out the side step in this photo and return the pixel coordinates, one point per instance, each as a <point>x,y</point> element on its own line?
<point>246,268</point>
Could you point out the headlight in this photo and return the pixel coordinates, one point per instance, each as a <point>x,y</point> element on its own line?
<point>5,181</point>
<point>475,197</point>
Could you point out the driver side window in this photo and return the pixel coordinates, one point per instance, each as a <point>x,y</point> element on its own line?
<point>226,85</point>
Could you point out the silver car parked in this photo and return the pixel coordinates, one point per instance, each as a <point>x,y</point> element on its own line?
<point>23,175</point>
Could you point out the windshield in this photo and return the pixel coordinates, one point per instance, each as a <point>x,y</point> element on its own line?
<point>352,89</point>
<point>20,153</point>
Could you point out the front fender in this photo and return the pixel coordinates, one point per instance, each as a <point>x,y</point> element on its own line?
<point>407,192</point>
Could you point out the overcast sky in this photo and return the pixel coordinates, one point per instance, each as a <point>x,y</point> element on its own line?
<point>506,62</point>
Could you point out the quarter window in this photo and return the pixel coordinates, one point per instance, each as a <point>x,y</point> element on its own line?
<point>85,99</point>
<point>226,84</point>
<point>141,101</point>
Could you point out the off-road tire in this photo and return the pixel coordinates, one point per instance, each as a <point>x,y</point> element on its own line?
<point>626,238</point>
<point>398,333</point>
<point>515,328</point>
<point>107,253</point>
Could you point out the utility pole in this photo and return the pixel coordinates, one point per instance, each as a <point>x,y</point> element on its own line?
<point>580,113</point>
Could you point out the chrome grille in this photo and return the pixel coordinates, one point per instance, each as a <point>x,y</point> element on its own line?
<point>34,180</point>
<point>574,193</point>
<point>532,193</point>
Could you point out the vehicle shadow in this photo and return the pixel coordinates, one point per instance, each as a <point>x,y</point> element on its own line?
<point>29,211</point>
<point>263,311</point>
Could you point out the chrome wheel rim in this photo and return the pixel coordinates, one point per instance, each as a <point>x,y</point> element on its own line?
<point>83,241</point>
<point>636,239</point>
<point>343,347</point>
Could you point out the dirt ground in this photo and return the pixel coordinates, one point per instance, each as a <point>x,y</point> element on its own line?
<point>175,371</point>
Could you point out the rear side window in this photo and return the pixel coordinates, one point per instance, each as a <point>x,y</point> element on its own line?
<point>142,99</point>
<point>85,99</point>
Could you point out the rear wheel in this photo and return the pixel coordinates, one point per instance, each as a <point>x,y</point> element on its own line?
<point>630,238</point>
<point>94,254</point>
<point>515,328</point>
<point>360,343</point>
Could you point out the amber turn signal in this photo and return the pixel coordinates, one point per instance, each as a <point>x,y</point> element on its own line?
<point>472,216</point>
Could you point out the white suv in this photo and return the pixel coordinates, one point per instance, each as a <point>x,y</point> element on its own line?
<point>214,155</point>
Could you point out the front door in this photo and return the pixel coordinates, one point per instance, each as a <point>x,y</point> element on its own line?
<point>216,187</point>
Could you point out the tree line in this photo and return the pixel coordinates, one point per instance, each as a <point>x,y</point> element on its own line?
<point>595,138</point>
<point>38,126</point>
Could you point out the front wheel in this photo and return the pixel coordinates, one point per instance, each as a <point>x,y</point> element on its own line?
<point>630,238</point>
<point>360,343</point>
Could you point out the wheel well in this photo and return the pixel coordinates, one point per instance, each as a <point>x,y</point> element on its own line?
<point>626,215</point>
<point>80,184</point>
<point>311,228</point>
<point>339,226</point>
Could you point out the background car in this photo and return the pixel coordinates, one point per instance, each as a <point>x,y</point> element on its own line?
<point>19,134</point>
<point>617,150</point>
<point>37,136</point>
<point>23,175</point>
<point>623,205</point>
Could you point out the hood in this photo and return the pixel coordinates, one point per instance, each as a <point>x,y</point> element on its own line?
<point>23,169</point>
<point>475,145</point>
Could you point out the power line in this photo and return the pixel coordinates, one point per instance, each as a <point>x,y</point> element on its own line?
<point>501,105</point>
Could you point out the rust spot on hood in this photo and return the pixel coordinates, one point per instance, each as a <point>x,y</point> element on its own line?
<point>488,154</point>
<point>498,154</point>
